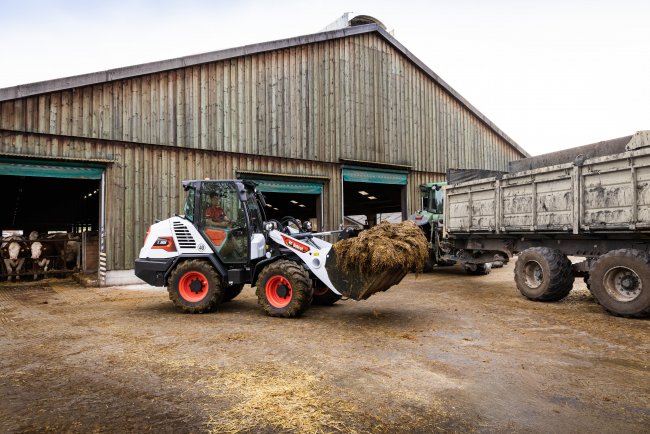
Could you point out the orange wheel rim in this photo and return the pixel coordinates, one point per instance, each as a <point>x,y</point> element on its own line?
<point>193,286</point>
<point>278,291</point>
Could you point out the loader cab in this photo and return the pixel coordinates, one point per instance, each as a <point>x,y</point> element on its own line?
<point>228,215</point>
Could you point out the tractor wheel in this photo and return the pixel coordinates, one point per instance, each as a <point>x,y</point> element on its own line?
<point>620,281</point>
<point>230,292</point>
<point>323,296</point>
<point>195,287</point>
<point>284,289</point>
<point>543,274</point>
<point>478,269</point>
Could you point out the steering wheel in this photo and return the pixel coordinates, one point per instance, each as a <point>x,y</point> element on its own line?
<point>285,221</point>
<point>279,225</point>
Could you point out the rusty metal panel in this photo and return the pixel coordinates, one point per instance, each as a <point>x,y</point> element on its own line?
<point>604,193</point>
<point>615,191</point>
<point>472,207</point>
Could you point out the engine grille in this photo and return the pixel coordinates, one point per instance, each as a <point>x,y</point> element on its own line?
<point>184,237</point>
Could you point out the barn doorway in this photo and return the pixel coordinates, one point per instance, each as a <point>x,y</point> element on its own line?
<point>56,200</point>
<point>300,200</point>
<point>371,196</point>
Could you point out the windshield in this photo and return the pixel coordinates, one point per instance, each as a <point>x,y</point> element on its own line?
<point>425,200</point>
<point>438,202</point>
<point>189,205</point>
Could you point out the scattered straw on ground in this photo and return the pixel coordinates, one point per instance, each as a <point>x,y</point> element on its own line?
<point>286,399</point>
<point>385,246</point>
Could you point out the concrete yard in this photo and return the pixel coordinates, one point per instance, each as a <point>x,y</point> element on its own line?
<point>441,352</point>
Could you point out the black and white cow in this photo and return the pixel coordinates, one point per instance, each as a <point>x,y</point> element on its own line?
<point>67,247</point>
<point>14,251</point>
<point>40,260</point>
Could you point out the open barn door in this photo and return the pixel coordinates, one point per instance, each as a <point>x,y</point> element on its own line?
<point>373,195</point>
<point>295,198</point>
<point>58,201</point>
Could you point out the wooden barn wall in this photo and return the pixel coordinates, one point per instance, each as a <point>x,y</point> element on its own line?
<point>355,98</point>
<point>144,182</point>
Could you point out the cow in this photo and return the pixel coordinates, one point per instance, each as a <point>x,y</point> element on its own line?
<point>14,252</point>
<point>40,260</point>
<point>67,247</point>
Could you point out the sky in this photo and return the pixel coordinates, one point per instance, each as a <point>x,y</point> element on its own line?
<point>551,74</point>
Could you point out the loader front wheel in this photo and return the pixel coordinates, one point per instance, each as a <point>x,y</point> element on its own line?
<point>284,289</point>
<point>195,287</point>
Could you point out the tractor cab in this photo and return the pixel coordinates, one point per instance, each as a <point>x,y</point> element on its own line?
<point>432,204</point>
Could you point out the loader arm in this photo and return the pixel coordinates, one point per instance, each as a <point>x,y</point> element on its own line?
<point>312,251</point>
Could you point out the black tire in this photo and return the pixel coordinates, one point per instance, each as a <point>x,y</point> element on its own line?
<point>323,296</point>
<point>232,291</point>
<point>195,287</point>
<point>620,281</point>
<point>543,274</point>
<point>478,269</point>
<point>284,289</point>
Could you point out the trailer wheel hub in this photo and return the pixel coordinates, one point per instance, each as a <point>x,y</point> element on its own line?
<point>534,274</point>
<point>622,283</point>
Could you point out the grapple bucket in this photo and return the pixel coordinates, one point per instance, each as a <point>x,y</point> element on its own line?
<point>357,285</point>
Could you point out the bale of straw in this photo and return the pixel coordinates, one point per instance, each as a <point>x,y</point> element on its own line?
<point>377,259</point>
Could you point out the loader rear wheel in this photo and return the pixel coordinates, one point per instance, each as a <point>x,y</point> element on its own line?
<point>284,289</point>
<point>323,296</point>
<point>195,287</point>
<point>230,292</point>
<point>543,274</point>
<point>620,281</point>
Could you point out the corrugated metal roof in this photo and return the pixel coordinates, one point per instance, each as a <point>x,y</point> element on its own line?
<point>214,56</point>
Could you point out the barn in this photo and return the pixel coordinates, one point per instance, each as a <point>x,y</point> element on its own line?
<point>338,127</point>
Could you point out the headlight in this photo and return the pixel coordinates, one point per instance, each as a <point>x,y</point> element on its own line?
<point>306,226</point>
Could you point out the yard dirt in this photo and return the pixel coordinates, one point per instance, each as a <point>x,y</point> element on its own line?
<point>440,352</point>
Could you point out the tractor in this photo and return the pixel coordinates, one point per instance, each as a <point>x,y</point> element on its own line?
<point>430,218</point>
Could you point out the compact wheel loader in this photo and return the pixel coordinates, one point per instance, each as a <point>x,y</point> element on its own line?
<point>223,242</point>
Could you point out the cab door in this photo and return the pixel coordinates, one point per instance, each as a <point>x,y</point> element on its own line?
<point>223,221</point>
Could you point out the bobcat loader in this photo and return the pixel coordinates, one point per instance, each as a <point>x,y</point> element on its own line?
<point>203,263</point>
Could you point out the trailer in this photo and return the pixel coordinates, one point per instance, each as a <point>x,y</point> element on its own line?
<point>585,205</point>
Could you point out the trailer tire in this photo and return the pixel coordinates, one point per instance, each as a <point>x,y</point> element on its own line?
<point>284,289</point>
<point>323,296</point>
<point>232,291</point>
<point>195,287</point>
<point>543,274</point>
<point>620,281</point>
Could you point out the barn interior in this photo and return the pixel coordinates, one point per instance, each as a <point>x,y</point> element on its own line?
<point>49,205</point>
<point>370,203</point>
<point>300,206</point>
